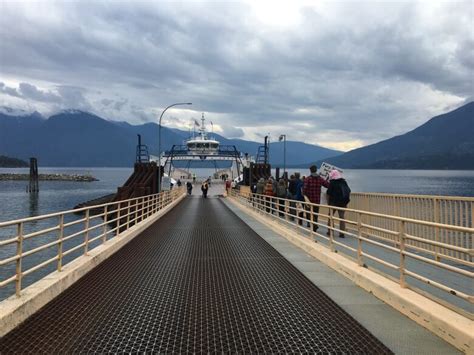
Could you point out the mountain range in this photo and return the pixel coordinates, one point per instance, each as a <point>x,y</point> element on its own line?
<point>75,138</point>
<point>444,142</point>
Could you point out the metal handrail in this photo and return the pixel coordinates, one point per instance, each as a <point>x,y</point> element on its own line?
<point>284,209</point>
<point>123,214</point>
<point>452,210</point>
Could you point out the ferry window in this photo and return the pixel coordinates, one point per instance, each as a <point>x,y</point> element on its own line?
<point>191,145</point>
<point>206,145</point>
<point>214,145</point>
<point>199,145</point>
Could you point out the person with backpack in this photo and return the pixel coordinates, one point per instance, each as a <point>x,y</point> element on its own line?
<point>189,187</point>
<point>204,188</point>
<point>339,196</point>
<point>312,190</point>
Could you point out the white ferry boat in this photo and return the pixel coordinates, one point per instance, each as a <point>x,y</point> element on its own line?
<point>202,144</point>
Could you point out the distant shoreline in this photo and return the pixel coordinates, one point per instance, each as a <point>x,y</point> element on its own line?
<point>49,177</point>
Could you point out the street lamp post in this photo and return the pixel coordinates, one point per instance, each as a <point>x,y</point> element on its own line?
<point>283,137</point>
<point>159,138</point>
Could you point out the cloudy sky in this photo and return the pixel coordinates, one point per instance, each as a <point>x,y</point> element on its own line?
<point>339,74</point>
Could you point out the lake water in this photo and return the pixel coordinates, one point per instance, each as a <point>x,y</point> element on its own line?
<point>57,196</point>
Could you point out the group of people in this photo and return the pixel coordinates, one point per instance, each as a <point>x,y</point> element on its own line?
<point>307,189</point>
<point>204,187</point>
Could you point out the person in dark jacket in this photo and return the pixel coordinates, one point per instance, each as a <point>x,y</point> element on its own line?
<point>294,193</point>
<point>339,196</point>
<point>189,187</point>
<point>204,189</point>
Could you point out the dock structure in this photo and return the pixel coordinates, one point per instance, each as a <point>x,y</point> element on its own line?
<point>33,186</point>
<point>185,274</point>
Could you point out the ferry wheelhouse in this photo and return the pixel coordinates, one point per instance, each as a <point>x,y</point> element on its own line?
<point>202,144</point>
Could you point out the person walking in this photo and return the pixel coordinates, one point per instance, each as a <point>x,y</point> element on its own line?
<point>299,196</point>
<point>312,189</point>
<point>259,190</point>
<point>339,196</point>
<point>269,193</point>
<point>189,187</point>
<point>228,186</point>
<point>282,195</point>
<point>204,188</point>
<point>292,187</point>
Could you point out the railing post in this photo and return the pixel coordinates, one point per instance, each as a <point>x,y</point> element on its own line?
<point>104,234</point>
<point>359,240</point>
<point>297,217</point>
<point>86,237</point>
<point>147,206</point>
<point>128,214</point>
<point>19,253</point>
<point>60,245</point>
<point>287,210</point>
<point>436,220</point>
<point>141,210</point>
<point>312,229</point>
<point>117,232</point>
<point>402,254</point>
<point>331,229</point>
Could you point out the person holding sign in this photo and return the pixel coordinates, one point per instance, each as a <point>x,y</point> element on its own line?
<point>312,190</point>
<point>339,196</point>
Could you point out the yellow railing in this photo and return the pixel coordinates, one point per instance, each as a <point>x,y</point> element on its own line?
<point>458,211</point>
<point>45,243</point>
<point>398,250</point>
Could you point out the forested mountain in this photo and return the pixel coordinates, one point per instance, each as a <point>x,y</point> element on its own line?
<point>444,142</point>
<point>75,138</point>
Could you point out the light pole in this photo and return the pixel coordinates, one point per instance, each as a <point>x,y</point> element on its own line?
<point>283,137</point>
<point>159,139</point>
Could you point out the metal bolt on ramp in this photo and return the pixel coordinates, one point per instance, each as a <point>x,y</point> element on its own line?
<point>198,280</point>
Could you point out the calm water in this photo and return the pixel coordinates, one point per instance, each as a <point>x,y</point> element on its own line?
<point>56,196</point>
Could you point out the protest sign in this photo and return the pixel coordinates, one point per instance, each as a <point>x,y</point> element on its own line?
<point>326,168</point>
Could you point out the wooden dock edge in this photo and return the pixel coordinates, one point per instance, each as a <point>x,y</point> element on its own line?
<point>14,310</point>
<point>454,328</point>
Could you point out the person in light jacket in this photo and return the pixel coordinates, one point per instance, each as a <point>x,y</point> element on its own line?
<point>282,194</point>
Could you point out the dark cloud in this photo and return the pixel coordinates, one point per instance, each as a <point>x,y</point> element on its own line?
<point>342,72</point>
<point>31,92</point>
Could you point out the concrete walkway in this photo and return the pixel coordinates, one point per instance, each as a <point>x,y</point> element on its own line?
<point>397,332</point>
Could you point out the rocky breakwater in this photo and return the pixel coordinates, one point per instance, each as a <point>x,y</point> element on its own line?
<point>49,177</point>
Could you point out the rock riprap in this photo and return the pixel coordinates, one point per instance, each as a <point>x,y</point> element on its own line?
<point>50,177</point>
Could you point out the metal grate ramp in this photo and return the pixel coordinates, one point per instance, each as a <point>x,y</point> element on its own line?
<point>198,280</point>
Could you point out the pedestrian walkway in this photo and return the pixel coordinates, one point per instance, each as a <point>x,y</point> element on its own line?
<point>198,280</point>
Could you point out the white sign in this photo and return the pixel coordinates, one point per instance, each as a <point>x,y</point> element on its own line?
<point>326,168</point>
<point>165,183</point>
